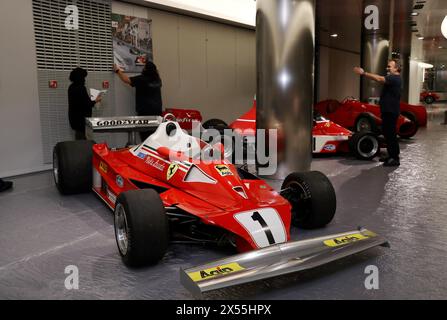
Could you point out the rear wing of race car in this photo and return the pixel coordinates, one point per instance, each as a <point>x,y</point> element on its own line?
<point>131,125</point>
<point>277,260</point>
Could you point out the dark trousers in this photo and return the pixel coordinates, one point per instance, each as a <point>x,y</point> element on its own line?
<point>389,123</point>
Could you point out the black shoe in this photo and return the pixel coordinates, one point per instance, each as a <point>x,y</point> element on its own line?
<point>6,185</point>
<point>384,159</point>
<point>392,163</point>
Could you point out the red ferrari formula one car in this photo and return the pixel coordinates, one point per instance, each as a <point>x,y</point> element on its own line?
<point>328,137</point>
<point>359,116</point>
<point>164,189</point>
<point>429,97</point>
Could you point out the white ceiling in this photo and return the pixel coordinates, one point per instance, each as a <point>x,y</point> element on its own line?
<point>239,11</point>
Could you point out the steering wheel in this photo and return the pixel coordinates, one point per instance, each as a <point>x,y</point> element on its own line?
<point>169,117</point>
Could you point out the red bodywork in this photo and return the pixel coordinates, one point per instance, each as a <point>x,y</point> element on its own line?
<point>414,112</point>
<point>426,94</point>
<point>328,137</point>
<point>347,112</point>
<point>215,204</point>
<point>185,117</point>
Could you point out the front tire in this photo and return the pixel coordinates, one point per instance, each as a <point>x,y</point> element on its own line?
<point>312,197</point>
<point>364,145</point>
<point>72,166</point>
<point>141,227</point>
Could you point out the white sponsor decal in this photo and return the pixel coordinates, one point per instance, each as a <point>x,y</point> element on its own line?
<point>265,226</point>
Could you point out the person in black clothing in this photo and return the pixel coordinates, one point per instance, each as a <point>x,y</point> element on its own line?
<point>148,85</point>
<point>79,103</point>
<point>5,185</point>
<point>389,108</point>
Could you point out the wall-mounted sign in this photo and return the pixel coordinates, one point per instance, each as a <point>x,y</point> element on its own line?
<point>52,84</point>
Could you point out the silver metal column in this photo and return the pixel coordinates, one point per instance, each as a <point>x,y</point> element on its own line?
<point>285,43</point>
<point>375,44</point>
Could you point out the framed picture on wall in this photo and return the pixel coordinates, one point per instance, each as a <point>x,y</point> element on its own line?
<point>132,42</point>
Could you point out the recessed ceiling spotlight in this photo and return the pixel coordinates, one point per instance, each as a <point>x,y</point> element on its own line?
<point>414,14</point>
<point>421,38</point>
<point>334,35</point>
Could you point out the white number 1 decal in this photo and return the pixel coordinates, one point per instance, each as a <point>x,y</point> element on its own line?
<point>264,226</point>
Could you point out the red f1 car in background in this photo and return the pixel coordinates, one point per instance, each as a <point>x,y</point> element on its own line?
<point>163,190</point>
<point>429,97</point>
<point>359,116</point>
<point>327,136</point>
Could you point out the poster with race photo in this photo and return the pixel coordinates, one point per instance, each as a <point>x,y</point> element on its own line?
<point>132,42</point>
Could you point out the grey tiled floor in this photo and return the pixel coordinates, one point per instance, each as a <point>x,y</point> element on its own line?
<point>42,232</point>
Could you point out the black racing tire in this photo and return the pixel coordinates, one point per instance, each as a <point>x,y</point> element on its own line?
<point>72,166</point>
<point>140,219</point>
<point>312,197</point>
<point>364,145</point>
<point>429,99</point>
<point>408,130</point>
<point>214,124</point>
<point>365,122</point>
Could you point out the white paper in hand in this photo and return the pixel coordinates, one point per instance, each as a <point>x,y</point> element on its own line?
<point>95,93</point>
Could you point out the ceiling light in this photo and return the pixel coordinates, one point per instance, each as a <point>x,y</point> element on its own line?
<point>414,14</point>
<point>444,27</point>
<point>334,35</point>
<point>421,38</point>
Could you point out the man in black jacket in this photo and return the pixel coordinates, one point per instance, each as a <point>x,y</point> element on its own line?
<point>389,108</point>
<point>79,103</point>
<point>148,84</point>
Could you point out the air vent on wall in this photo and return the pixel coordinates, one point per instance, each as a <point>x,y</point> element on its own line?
<point>60,49</point>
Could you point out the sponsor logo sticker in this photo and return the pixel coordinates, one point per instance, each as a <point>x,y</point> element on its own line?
<point>119,181</point>
<point>329,147</point>
<point>142,155</point>
<point>103,167</point>
<point>223,170</point>
<point>156,164</point>
<point>172,170</point>
<point>215,272</point>
<point>347,239</point>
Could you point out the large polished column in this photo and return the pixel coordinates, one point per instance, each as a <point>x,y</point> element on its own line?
<point>401,41</point>
<point>285,43</point>
<point>375,44</point>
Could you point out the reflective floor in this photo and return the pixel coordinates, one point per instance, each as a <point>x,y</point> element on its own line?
<point>42,232</point>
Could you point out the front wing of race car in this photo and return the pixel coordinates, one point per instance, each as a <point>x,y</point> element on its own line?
<point>277,260</point>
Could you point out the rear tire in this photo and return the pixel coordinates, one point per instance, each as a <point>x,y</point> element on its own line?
<point>364,145</point>
<point>365,123</point>
<point>215,124</point>
<point>141,227</point>
<point>72,166</point>
<point>312,197</point>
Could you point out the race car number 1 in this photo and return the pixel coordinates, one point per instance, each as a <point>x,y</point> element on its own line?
<point>264,226</point>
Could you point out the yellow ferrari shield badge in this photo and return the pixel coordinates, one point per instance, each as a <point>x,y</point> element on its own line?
<point>172,170</point>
